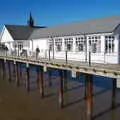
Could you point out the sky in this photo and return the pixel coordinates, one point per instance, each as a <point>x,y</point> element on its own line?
<point>55,12</point>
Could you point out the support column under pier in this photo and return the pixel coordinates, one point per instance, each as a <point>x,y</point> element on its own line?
<point>27,80</point>
<point>0,68</point>
<point>114,84</point>
<point>9,71</point>
<point>50,78</point>
<point>3,70</point>
<point>38,77</point>
<point>20,70</point>
<point>65,81</point>
<point>89,97</point>
<point>17,74</point>
<point>41,83</point>
<point>85,90</point>
<point>61,100</point>
<point>14,71</point>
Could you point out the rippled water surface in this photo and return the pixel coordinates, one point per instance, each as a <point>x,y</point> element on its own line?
<point>17,104</point>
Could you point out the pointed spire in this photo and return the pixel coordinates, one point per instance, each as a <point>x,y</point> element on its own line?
<point>30,21</point>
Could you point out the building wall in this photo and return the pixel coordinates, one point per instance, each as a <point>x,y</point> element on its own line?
<point>100,57</point>
<point>117,33</point>
<point>41,44</point>
<point>6,38</point>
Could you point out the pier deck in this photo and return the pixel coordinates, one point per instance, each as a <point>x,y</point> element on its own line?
<point>107,70</point>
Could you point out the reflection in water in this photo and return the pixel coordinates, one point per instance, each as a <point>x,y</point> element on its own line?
<point>74,98</point>
<point>113,114</point>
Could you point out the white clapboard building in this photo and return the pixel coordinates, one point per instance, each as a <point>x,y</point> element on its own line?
<point>100,37</point>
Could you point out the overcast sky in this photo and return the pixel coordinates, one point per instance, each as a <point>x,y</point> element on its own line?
<point>54,12</point>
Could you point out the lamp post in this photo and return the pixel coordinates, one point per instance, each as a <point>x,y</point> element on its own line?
<point>85,43</point>
<point>89,62</point>
<point>15,46</point>
<point>66,51</point>
<point>18,49</point>
<point>49,54</point>
<point>66,59</point>
<point>53,45</point>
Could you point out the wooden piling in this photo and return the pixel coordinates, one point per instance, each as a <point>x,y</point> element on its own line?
<point>50,78</point>
<point>27,81</point>
<point>0,68</point>
<point>89,97</point>
<point>61,100</point>
<point>20,70</point>
<point>65,81</point>
<point>85,90</point>
<point>17,77</point>
<point>113,93</point>
<point>38,78</point>
<point>41,83</point>
<point>14,71</point>
<point>9,70</point>
<point>3,69</point>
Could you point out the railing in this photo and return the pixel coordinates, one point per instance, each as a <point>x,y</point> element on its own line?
<point>65,55</point>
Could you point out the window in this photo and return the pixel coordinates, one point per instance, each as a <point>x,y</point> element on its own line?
<point>50,42</point>
<point>109,44</point>
<point>69,47</point>
<point>80,43</point>
<point>58,48</point>
<point>50,47</point>
<point>26,44</point>
<point>20,45</point>
<point>14,45</point>
<point>95,43</point>
<point>94,47</point>
<point>58,44</point>
<point>69,44</point>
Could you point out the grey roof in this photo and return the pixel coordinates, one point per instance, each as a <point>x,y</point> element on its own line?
<point>20,32</point>
<point>101,25</point>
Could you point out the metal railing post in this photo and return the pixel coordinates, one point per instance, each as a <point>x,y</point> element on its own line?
<point>66,59</point>
<point>104,57</point>
<point>89,58</point>
<point>49,54</point>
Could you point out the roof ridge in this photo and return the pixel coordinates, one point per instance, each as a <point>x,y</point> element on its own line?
<point>26,26</point>
<point>85,20</point>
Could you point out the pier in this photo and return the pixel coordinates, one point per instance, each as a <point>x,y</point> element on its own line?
<point>77,68</point>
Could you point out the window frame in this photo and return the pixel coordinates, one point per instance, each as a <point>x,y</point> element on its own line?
<point>95,43</point>
<point>80,43</point>
<point>68,41</point>
<point>109,44</point>
<point>58,44</point>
